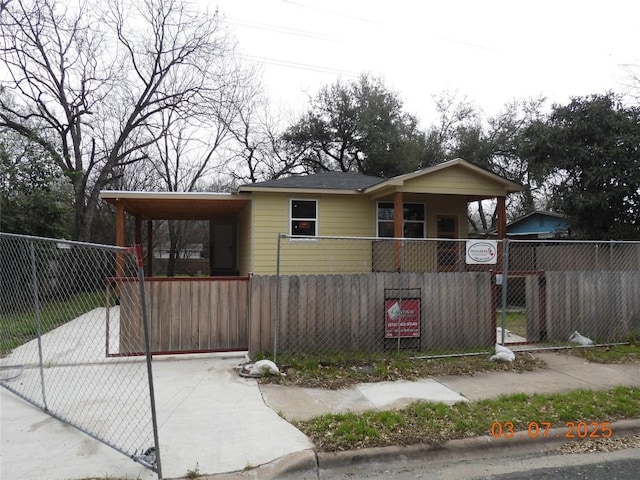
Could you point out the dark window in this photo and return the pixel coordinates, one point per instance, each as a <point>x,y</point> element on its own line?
<point>447,227</point>
<point>304,217</point>
<point>413,220</point>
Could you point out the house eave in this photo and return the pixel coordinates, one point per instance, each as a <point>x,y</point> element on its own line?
<point>301,191</point>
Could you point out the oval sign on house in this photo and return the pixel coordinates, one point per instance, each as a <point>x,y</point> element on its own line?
<point>482,252</point>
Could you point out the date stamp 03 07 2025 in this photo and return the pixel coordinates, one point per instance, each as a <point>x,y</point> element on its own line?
<point>542,429</point>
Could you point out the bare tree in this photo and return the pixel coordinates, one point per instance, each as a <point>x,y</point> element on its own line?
<point>187,156</point>
<point>91,84</point>
<point>258,151</point>
<point>4,4</point>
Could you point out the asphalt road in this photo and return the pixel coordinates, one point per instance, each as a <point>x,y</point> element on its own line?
<point>617,465</point>
<point>625,469</point>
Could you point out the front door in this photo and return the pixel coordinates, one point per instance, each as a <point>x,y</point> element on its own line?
<point>223,240</point>
<point>448,255</point>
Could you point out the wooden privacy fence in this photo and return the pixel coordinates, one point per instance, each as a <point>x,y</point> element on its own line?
<point>187,315</point>
<point>311,313</point>
<point>605,305</point>
<point>347,312</point>
<point>342,313</point>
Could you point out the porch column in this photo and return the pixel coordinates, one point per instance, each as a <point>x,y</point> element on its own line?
<point>397,229</point>
<point>149,248</point>
<point>502,218</point>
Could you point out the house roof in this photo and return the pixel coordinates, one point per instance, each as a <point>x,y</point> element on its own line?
<point>514,227</point>
<point>527,225</point>
<point>317,181</point>
<point>534,213</point>
<point>204,206</point>
<point>354,183</point>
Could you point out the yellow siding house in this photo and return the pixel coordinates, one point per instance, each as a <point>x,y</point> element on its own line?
<point>248,225</point>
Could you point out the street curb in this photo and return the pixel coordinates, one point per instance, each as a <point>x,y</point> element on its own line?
<point>306,463</point>
<point>292,464</point>
<point>472,447</point>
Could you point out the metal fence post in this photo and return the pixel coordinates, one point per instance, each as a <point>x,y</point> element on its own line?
<point>156,466</point>
<point>38,319</point>
<point>400,271</point>
<point>505,275</point>
<point>278,302</point>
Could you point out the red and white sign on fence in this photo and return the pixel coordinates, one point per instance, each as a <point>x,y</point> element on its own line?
<point>402,317</point>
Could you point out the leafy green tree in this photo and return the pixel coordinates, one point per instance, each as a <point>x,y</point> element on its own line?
<point>359,127</point>
<point>493,143</point>
<point>589,152</point>
<point>34,199</point>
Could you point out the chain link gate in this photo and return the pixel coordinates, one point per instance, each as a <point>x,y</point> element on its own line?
<point>339,295</point>
<point>58,301</point>
<point>557,287</point>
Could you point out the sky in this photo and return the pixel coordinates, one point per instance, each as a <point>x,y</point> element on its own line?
<point>489,51</point>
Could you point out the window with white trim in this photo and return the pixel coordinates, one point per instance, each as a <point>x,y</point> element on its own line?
<point>413,219</point>
<point>304,217</point>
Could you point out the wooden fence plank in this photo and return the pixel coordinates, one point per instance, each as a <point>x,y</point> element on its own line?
<point>183,334</point>
<point>222,310</point>
<point>205,317</point>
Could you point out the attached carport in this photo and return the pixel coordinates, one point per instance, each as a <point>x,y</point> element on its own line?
<point>220,209</point>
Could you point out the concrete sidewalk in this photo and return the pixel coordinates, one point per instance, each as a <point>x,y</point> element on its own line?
<point>563,373</point>
<point>212,421</point>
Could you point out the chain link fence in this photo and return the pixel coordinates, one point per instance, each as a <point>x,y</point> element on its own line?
<point>59,303</point>
<point>450,296</point>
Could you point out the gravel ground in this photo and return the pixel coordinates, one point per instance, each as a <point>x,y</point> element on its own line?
<point>601,444</point>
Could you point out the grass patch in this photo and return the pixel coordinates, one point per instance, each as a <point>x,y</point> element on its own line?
<point>436,423</point>
<point>343,370</point>
<point>614,354</point>
<point>515,322</point>
<point>19,328</point>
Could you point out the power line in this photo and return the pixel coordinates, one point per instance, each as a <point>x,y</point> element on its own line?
<point>284,30</point>
<point>352,17</point>
<point>302,66</point>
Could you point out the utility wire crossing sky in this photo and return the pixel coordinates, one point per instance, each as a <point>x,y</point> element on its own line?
<point>490,51</point>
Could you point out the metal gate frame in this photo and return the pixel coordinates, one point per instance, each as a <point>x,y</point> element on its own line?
<point>51,289</point>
